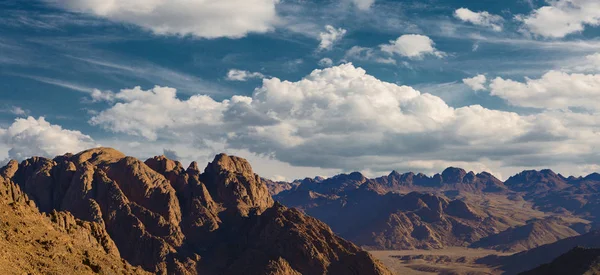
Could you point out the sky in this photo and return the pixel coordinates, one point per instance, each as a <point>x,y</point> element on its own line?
<point>307,87</point>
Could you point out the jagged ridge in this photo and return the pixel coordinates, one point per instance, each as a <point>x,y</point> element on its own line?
<point>172,220</point>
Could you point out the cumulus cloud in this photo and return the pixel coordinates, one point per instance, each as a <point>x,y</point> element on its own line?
<point>554,90</point>
<point>482,18</point>
<point>414,46</point>
<point>146,113</point>
<point>343,118</point>
<point>98,96</point>
<point>28,137</point>
<point>326,62</point>
<point>477,83</point>
<point>562,17</point>
<point>240,75</point>
<point>201,18</point>
<point>330,37</point>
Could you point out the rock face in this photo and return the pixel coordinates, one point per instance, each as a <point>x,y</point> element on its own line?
<point>57,243</point>
<point>578,261</point>
<point>170,220</point>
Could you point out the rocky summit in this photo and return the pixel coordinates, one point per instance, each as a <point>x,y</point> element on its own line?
<point>100,211</point>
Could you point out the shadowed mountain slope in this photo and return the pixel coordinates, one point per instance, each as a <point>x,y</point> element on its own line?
<point>578,261</point>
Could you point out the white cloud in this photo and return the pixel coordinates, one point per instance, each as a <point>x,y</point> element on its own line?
<point>330,37</point>
<point>326,62</point>
<point>37,137</point>
<point>554,90</point>
<point>589,64</point>
<point>98,96</point>
<point>477,83</point>
<point>145,113</point>
<point>562,17</point>
<point>16,110</point>
<point>201,18</point>
<point>240,75</point>
<point>339,117</point>
<point>482,18</point>
<point>413,46</point>
<point>363,4</point>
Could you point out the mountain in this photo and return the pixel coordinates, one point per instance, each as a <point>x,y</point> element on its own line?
<point>536,181</point>
<point>578,261</point>
<point>528,236</point>
<point>530,259</point>
<point>171,220</point>
<point>395,221</point>
<point>56,243</point>
<point>450,179</point>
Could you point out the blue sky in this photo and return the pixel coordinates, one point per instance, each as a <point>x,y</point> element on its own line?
<point>532,66</point>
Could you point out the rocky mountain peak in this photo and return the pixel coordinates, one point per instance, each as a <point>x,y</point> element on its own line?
<point>193,167</point>
<point>233,183</point>
<point>98,156</point>
<point>453,175</point>
<point>223,163</point>
<point>10,169</point>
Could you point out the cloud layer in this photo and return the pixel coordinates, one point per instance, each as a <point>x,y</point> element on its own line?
<point>341,117</point>
<point>201,18</point>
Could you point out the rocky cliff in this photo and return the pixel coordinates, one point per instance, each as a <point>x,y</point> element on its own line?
<point>171,220</point>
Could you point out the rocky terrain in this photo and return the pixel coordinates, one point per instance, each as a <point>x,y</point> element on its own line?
<point>164,218</point>
<point>57,243</point>
<point>393,221</point>
<point>454,208</point>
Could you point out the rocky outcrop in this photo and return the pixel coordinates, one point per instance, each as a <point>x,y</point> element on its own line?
<point>171,220</point>
<point>57,243</point>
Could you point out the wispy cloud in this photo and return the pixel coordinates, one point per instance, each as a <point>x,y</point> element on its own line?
<point>58,83</point>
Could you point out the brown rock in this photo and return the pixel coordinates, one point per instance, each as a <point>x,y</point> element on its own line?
<point>169,220</point>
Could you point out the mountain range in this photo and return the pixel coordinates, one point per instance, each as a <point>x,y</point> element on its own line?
<point>100,211</point>
<point>454,208</point>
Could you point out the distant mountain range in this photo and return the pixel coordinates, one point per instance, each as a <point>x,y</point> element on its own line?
<point>454,208</point>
